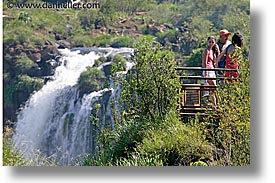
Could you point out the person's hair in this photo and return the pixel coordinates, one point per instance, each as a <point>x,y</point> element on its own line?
<point>237,39</point>
<point>211,37</point>
<point>214,48</point>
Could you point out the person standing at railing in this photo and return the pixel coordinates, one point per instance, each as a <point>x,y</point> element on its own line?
<point>222,43</point>
<point>209,58</point>
<point>232,55</point>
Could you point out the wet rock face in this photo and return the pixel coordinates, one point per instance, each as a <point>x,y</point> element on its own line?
<point>45,59</point>
<point>101,114</point>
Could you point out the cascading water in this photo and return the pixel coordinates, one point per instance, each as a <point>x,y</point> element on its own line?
<point>56,121</point>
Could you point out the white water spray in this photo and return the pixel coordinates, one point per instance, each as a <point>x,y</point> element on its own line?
<point>55,120</point>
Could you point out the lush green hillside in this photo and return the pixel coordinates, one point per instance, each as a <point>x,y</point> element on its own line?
<point>150,132</point>
<point>182,26</point>
<point>31,38</point>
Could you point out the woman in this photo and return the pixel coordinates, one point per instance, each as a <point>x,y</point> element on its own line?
<point>233,54</point>
<point>209,60</point>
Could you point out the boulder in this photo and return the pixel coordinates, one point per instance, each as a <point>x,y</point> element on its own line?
<point>48,52</point>
<point>62,44</point>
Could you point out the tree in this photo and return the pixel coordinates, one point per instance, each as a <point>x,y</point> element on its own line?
<point>152,86</point>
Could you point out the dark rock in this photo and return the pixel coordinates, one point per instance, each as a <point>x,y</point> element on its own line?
<point>48,78</point>
<point>36,57</point>
<point>62,44</point>
<point>35,72</point>
<point>48,52</point>
<point>47,42</point>
<point>107,69</point>
<point>59,36</point>
<point>19,49</point>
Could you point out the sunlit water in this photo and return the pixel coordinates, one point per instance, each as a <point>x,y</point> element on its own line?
<point>56,121</point>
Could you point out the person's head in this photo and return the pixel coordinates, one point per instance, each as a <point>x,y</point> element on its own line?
<point>224,34</point>
<point>237,39</point>
<point>211,41</point>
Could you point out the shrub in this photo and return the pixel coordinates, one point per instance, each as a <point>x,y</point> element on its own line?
<point>23,63</point>
<point>10,156</point>
<point>82,41</point>
<point>91,80</point>
<point>88,18</point>
<point>151,88</point>
<point>124,41</point>
<point>99,61</point>
<point>231,134</point>
<point>118,63</point>
<point>177,143</point>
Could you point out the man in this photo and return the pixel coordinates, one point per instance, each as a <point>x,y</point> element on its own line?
<point>222,43</point>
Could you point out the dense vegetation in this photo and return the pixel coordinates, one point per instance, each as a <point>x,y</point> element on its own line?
<point>149,131</point>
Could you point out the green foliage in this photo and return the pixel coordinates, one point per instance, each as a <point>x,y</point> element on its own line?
<point>169,36</point>
<point>10,156</point>
<point>194,59</point>
<point>91,80</point>
<point>138,159</point>
<point>23,63</point>
<point>99,61</point>
<point>29,84</point>
<point>25,17</point>
<point>124,41</point>
<point>110,7</point>
<point>177,143</point>
<point>198,163</point>
<point>118,64</point>
<point>231,134</point>
<point>148,94</point>
<point>17,91</point>
<point>165,13</point>
<point>149,87</point>
<point>82,41</point>
<point>88,18</point>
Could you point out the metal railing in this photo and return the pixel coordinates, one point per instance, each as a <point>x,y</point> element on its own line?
<point>192,99</point>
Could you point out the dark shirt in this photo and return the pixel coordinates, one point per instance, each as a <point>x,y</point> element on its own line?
<point>223,46</point>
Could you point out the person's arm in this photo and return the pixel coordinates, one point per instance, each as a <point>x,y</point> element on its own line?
<point>203,58</point>
<point>216,56</point>
<point>220,56</point>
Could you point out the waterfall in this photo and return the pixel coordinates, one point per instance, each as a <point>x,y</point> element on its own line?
<point>55,121</point>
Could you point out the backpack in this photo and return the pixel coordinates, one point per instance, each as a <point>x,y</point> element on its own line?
<point>221,64</point>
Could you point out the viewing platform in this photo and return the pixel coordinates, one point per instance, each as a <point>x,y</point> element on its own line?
<point>195,93</point>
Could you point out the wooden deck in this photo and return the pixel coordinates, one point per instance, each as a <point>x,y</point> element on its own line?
<point>196,96</point>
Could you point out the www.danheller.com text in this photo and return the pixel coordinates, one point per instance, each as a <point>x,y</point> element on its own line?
<point>57,5</point>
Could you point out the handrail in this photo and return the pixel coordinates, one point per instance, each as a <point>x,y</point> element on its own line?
<point>206,78</point>
<point>205,69</point>
<point>194,100</point>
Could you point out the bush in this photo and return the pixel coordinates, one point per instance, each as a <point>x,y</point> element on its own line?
<point>82,41</point>
<point>23,64</point>
<point>99,61</point>
<point>124,41</point>
<point>231,134</point>
<point>10,156</point>
<point>151,89</point>
<point>169,36</point>
<point>177,143</point>
<point>91,80</point>
<point>88,18</point>
<point>148,94</point>
<point>118,63</point>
